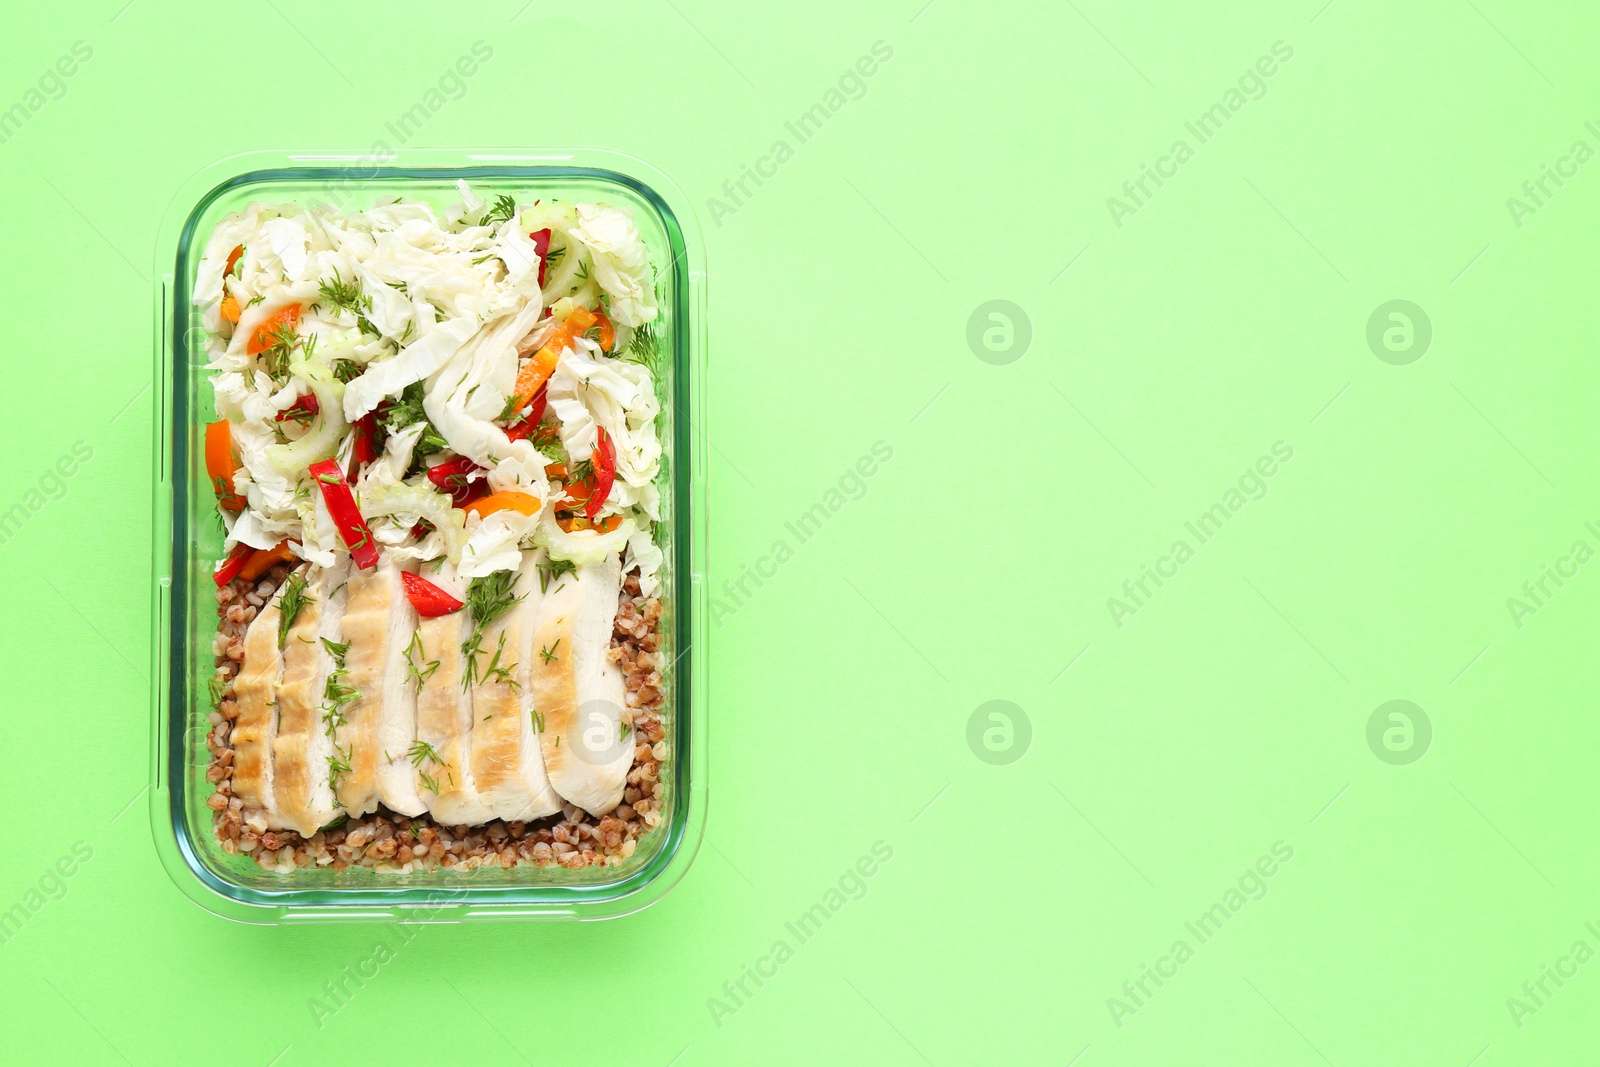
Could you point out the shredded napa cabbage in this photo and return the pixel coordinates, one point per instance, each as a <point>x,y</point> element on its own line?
<point>411,327</point>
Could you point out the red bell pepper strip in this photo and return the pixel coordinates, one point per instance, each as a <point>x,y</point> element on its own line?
<point>541,245</point>
<point>529,424</point>
<point>429,600</point>
<point>366,443</point>
<point>346,516</point>
<point>605,471</point>
<point>303,410</point>
<point>451,477</point>
<point>233,564</point>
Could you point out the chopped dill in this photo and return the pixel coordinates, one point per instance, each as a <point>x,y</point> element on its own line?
<point>550,571</point>
<point>345,296</point>
<point>294,600</point>
<point>504,207</point>
<point>423,672</point>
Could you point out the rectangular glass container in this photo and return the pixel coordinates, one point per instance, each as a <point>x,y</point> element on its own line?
<point>188,541</point>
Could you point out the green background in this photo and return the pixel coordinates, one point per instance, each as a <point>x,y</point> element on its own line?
<point>1164,757</point>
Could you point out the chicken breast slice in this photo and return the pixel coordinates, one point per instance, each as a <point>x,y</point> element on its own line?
<point>303,753</point>
<point>507,766</point>
<point>256,727</point>
<point>579,692</point>
<point>375,604</point>
<point>444,725</point>
<point>398,787</point>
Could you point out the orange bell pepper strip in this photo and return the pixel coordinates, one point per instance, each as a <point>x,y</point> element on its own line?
<point>608,332</point>
<point>220,464</point>
<point>266,335</point>
<point>576,523</point>
<point>230,306</point>
<point>504,501</point>
<point>262,560</point>
<point>537,370</point>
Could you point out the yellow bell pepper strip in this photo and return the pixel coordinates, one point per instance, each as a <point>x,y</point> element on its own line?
<point>537,371</point>
<point>346,516</point>
<point>220,464</point>
<point>504,501</point>
<point>262,559</point>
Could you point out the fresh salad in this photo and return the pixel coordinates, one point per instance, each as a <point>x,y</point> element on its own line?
<point>443,388</point>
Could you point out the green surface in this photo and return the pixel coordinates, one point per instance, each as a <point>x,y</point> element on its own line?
<point>1225,717</point>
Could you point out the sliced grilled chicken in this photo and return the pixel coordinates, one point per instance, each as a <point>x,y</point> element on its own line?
<point>507,766</point>
<point>397,719</point>
<point>444,725</point>
<point>304,758</point>
<point>579,691</point>
<point>255,691</point>
<point>375,602</point>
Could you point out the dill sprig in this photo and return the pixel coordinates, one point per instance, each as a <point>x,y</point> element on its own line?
<point>295,598</point>
<point>396,415</point>
<point>282,340</point>
<point>219,685</point>
<point>469,658</point>
<point>504,207</point>
<point>538,719</point>
<point>513,405</point>
<point>488,598</point>
<point>548,653</point>
<point>346,296</point>
<point>338,696</point>
<point>339,765</point>
<point>420,750</point>
<point>494,670</point>
<point>423,671</point>
<point>553,569</point>
<point>644,347</point>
